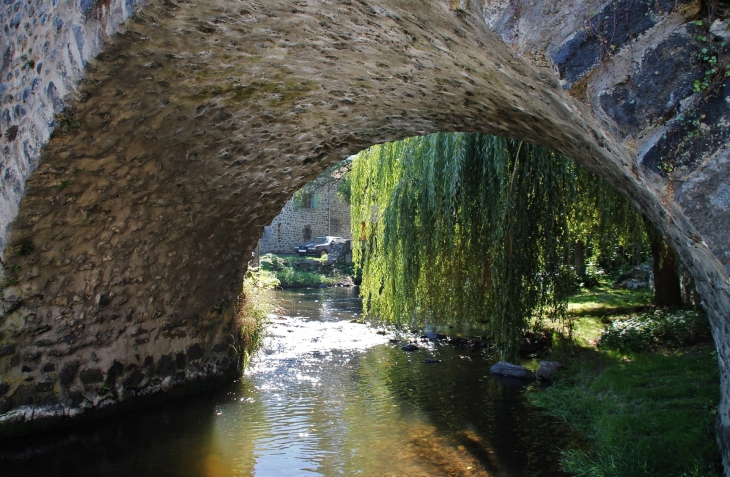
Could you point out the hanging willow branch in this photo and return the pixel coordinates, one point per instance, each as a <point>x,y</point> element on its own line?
<point>474,228</point>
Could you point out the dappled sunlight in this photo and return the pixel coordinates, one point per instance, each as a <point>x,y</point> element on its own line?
<point>605,300</point>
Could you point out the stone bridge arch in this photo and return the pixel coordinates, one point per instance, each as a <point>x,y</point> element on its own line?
<point>196,122</point>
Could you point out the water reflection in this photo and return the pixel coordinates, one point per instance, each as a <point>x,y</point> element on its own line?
<point>326,397</point>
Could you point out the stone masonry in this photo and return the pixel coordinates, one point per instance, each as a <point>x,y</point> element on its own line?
<point>289,227</point>
<point>46,45</point>
<point>176,139</point>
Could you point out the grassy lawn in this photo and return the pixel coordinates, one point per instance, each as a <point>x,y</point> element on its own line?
<point>647,400</point>
<point>590,310</point>
<point>605,300</point>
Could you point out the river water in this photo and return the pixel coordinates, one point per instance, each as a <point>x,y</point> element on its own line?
<point>325,397</point>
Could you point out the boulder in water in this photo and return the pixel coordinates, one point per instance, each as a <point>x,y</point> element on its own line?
<point>504,368</point>
<point>409,347</point>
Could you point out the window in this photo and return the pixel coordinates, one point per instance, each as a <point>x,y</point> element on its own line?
<point>307,232</point>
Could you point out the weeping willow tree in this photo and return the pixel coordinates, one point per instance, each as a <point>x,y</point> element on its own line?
<point>475,228</point>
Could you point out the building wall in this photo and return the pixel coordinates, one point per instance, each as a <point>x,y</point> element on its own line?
<point>287,229</point>
<point>44,47</point>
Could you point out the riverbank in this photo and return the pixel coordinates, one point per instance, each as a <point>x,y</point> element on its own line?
<point>294,271</point>
<point>642,384</point>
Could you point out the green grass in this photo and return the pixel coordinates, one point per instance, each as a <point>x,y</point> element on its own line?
<point>604,300</point>
<point>646,413</point>
<point>296,278</point>
<point>296,271</point>
<point>590,310</point>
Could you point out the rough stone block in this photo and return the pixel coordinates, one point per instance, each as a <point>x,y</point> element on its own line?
<point>705,197</point>
<point>7,349</point>
<point>547,369</point>
<point>195,352</point>
<point>134,379</point>
<point>692,138</point>
<point>180,360</point>
<point>606,32</point>
<point>166,366</point>
<point>91,376</point>
<point>114,371</point>
<point>68,372</point>
<point>504,368</point>
<point>664,77</point>
<point>44,387</point>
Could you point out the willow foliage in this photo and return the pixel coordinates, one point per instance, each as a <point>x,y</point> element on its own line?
<point>468,227</point>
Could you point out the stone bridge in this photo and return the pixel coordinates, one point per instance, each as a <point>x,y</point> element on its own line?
<point>144,147</point>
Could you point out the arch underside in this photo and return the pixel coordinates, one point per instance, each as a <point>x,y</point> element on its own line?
<point>189,133</point>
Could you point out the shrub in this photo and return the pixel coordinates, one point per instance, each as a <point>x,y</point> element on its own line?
<point>255,304</point>
<point>656,329</point>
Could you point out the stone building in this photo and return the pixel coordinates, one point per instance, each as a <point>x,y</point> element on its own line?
<point>321,213</point>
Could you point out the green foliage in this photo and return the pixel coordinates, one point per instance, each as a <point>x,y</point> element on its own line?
<point>468,227</point>
<point>656,328</point>
<point>336,177</point>
<point>344,188</point>
<point>67,122</point>
<point>302,271</point>
<point>26,248</point>
<point>261,278</point>
<point>255,304</point>
<point>714,48</point>
<point>296,278</point>
<point>646,415</point>
<point>63,184</point>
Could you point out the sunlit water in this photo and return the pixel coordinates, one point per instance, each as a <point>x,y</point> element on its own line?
<point>326,397</point>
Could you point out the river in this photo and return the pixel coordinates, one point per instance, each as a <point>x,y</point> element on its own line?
<point>325,397</point>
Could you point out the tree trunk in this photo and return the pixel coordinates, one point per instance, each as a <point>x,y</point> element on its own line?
<point>580,259</point>
<point>667,291</point>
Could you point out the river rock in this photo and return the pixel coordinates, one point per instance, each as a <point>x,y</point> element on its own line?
<point>547,369</point>
<point>409,347</point>
<point>504,368</point>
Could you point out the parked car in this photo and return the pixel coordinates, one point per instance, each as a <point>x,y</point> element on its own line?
<point>318,246</point>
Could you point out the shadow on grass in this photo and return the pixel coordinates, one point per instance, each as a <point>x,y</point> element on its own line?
<point>607,311</point>
<point>646,414</point>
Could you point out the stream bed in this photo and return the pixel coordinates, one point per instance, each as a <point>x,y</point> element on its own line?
<point>325,397</point>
